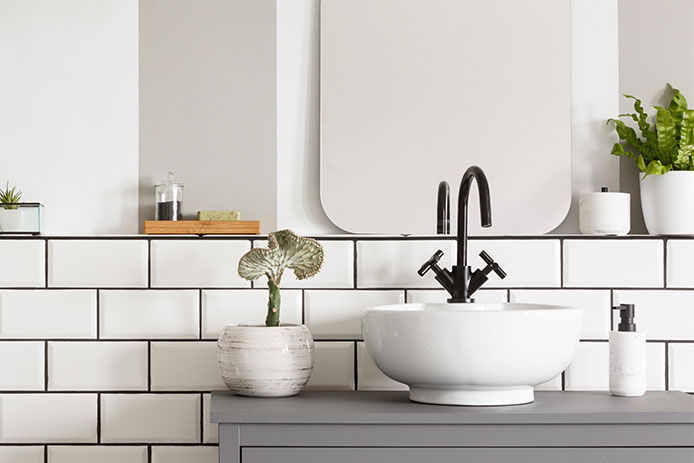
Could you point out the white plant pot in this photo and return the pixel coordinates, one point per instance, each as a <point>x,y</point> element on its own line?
<point>265,361</point>
<point>667,202</point>
<point>11,220</point>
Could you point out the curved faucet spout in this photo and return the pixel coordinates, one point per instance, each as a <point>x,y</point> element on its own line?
<point>461,282</point>
<point>477,174</point>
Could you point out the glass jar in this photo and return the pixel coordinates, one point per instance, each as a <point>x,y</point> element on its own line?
<point>168,198</point>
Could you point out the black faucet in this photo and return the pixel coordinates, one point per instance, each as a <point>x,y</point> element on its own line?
<point>461,282</point>
<point>443,209</point>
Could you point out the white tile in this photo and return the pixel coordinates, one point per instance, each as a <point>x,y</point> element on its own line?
<point>97,453</point>
<point>681,367</point>
<point>150,418</point>
<point>172,454</point>
<point>664,314</point>
<point>336,314</point>
<point>210,431</point>
<point>97,366</point>
<point>333,366</point>
<point>21,454</point>
<point>155,314</point>
<point>221,307</point>
<point>595,305</point>
<point>441,295</point>
<point>47,418</point>
<point>185,366</point>
<point>394,264</point>
<point>23,263</point>
<point>369,377</point>
<point>21,366</point>
<point>528,263</point>
<point>97,263</point>
<point>337,270</point>
<point>655,366</point>
<point>48,314</point>
<point>198,263</point>
<point>613,263</point>
<point>553,384</point>
<point>680,263</point>
<point>589,369</point>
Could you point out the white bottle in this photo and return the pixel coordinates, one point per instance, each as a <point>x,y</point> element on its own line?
<point>627,356</point>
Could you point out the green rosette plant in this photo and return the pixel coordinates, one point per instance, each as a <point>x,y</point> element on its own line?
<point>9,196</point>
<point>670,146</point>
<point>285,250</point>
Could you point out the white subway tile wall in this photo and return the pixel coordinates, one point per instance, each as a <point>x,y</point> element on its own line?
<point>614,263</point>
<point>117,345</point>
<point>22,366</point>
<point>207,263</point>
<point>150,418</point>
<point>221,307</point>
<point>97,366</point>
<point>97,263</point>
<point>93,454</point>
<point>337,314</point>
<point>23,263</point>
<point>21,454</point>
<point>188,454</point>
<point>48,314</point>
<point>185,366</point>
<point>41,418</point>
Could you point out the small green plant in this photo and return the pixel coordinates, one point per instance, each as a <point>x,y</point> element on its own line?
<point>285,250</point>
<point>669,147</point>
<point>9,196</point>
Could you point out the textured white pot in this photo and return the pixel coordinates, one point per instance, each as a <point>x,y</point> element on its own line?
<point>262,361</point>
<point>667,202</point>
<point>11,220</point>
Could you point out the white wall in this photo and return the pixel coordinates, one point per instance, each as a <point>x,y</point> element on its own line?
<point>69,110</point>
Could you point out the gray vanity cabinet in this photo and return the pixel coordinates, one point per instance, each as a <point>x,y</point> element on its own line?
<point>361,427</point>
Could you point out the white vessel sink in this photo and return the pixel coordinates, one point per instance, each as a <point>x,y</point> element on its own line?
<point>472,354</point>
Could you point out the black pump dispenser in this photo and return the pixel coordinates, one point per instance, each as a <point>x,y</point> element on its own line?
<point>626,317</point>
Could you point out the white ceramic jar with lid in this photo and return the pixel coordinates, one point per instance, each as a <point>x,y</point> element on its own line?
<point>604,213</point>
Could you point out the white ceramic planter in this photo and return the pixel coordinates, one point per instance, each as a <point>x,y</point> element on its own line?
<point>667,202</point>
<point>11,220</point>
<point>261,361</point>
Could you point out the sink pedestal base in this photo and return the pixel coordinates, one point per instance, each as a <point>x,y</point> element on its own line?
<point>473,397</point>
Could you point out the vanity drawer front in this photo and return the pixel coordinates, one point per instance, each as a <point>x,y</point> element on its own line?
<point>464,455</point>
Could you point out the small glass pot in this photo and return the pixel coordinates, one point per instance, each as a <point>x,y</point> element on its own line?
<point>168,198</point>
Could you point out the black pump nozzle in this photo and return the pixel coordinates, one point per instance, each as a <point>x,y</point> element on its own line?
<point>626,317</point>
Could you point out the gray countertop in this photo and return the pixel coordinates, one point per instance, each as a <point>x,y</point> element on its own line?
<point>372,407</point>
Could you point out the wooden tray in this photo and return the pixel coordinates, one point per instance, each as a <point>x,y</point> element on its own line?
<point>202,227</point>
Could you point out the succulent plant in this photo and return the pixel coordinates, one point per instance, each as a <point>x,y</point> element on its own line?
<point>285,250</point>
<point>9,196</point>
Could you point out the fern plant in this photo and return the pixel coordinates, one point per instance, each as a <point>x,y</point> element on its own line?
<point>670,146</point>
<point>285,250</point>
<point>9,196</point>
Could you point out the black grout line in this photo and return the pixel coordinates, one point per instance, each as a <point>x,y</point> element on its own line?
<point>202,417</point>
<point>561,263</point>
<point>98,418</point>
<point>200,314</point>
<point>149,366</point>
<point>45,453</point>
<point>303,307</point>
<point>149,263</point>
<point>45,365</point>
<point>665,241</point>
<point>356,368</point>
<point>563,380</point>
<point>45,265</point>
<point>354,265</point>
<point>667,366</point>
<point>98,315</point>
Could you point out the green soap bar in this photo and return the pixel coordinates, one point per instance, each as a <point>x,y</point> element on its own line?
<point>219,215</point>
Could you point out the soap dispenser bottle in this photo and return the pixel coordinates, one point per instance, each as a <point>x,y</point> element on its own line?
<point>627,356</point>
